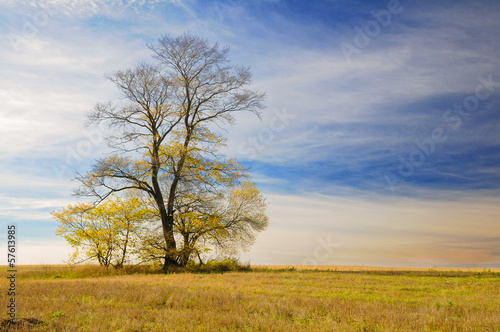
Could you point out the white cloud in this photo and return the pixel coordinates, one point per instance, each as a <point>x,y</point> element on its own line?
<point>80,8</point>
<point>49,87</point>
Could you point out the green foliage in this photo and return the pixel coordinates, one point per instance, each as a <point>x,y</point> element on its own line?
<point>214,266</point>
<point>57,314</point>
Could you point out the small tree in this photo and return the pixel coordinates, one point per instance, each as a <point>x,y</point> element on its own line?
<point>105,233</point>
<point>225,221</point>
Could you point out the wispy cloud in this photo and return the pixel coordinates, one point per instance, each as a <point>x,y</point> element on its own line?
<point>357,118</point>
<point>82,8</point>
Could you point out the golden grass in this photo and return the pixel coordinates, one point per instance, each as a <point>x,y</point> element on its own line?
<point>373,268</point>
<point>256,301</point>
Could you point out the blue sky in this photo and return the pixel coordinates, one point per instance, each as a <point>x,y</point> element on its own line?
<point>379,144</point>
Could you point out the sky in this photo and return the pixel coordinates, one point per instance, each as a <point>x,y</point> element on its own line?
<point>379,144</point>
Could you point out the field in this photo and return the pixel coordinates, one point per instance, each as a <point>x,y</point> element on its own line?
<point>87,298</point>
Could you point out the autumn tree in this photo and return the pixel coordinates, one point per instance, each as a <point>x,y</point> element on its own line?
<point>166,122</point>
<point>222,220</point>
<point>103,233</point>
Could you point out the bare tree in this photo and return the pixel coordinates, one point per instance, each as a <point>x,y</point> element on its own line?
<point>167,117</point>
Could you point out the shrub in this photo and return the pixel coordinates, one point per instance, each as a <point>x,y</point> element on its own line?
<point>215,266</point>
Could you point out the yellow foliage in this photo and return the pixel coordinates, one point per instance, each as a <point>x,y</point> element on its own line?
<point>102,233</point>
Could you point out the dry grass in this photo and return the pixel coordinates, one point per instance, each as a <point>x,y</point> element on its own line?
<point>373,268</point>
<point>280,300</point>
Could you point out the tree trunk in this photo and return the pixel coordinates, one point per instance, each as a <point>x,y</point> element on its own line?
<point>168,233</point>
<point>186,251</point>
<point>167,219</point>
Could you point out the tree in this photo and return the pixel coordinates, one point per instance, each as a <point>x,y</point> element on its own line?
<point>104,233</point>
<point>167,123</point>
<point>225,220</point>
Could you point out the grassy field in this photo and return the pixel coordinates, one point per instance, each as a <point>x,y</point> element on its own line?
<point>87,298</point>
